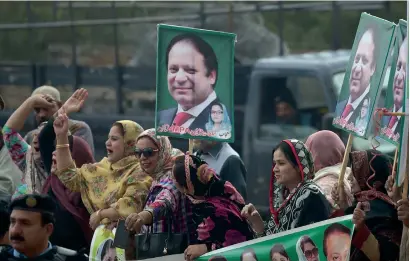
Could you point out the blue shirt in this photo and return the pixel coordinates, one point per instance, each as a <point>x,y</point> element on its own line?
<point>19,255</point>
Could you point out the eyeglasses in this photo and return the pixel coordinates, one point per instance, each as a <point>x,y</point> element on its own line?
<point>217,112</point>
<point>147,152</point>
<point>312,253</point>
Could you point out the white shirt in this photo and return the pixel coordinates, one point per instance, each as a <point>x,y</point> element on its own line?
<point>357,102</point>
<point>195,111</point>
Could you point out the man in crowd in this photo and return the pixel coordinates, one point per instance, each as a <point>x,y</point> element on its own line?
<point>192,75</point>
<point>77,128</point>
<point>31,225</point>
<point>363,68</point>
<point>399,82</point>
<point>225,161</point>
<point>10,174</point>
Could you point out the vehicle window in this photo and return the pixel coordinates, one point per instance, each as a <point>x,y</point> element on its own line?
<point>291,106</point>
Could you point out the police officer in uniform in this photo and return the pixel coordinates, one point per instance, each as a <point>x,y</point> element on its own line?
<point>31,225</point>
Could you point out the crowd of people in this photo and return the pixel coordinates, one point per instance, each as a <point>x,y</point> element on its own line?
<point>54,194</point>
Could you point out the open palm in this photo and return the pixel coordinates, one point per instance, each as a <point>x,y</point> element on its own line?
<point>76,101</point>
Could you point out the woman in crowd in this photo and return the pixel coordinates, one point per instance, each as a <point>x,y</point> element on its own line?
<point>112,188</point>
<point>327,151</point>
<point>306,249</point>
<point>278,253</point>
<point>26,157</point>
<point>216,207</point>
<point>378,230</point>
<point>156,157</point>
<point>293,194</point>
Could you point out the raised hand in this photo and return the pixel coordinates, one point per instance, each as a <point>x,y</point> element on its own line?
<point>359,215</point>
<point>42,101</point>
<point>391,188</point>
<point>61,125</point>
<point>76,101</point>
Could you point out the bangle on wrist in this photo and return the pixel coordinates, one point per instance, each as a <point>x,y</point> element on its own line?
<point>60,146</point>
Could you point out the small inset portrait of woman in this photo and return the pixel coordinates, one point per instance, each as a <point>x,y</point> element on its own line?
<point>219,121</point>
<point>278,253</point>
<point>306,249</point>
<point>248,255</point>
<point>364,117</point>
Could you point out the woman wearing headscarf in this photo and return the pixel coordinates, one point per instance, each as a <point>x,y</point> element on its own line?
<point>219,121</point>
<point>26,156</point>
<point>216,207</point>
<point>378,230</point>
<point>156,157</point>
<point>293,194</point>
<point>327,151</point>
<point>71,215</point>
<point>112,188</point>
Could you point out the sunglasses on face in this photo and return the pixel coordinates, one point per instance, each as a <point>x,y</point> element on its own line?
<point>312,253</point>
<point>147,152</point>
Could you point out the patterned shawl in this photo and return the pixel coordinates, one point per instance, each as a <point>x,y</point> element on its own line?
<point>166,153</point>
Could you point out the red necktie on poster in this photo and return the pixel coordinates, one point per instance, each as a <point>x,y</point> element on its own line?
<point>392,121</point>
<point>181,118</point>
<point>348,109</point>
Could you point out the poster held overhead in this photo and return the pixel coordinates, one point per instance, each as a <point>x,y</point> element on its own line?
<point>364,74</point>
<point>392,126</point>
<point>195,83</point>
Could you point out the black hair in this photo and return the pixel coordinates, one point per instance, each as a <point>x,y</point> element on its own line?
<point>305,240</point>
<point>217,103</point>
<point>287,151</point>
<point>180,177</point>
<point>278,248</point>
<point>249,251</point>
<point>106,247</point>
<point>4,214</point>
<point>204,48</point>
<point>335,227</point>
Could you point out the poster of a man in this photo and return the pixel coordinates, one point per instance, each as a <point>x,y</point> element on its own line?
<point>392,125</point>
<point>195,83</point>
<point>364,73</point>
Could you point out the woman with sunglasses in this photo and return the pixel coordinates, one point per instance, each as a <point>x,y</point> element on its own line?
<point>156,157</point>
<point>113,188</point>
<point>306,249</point>
<point>216,207</point>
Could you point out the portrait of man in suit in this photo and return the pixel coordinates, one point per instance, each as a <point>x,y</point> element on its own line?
<point>192,74</point>
<point>393,123</point>
<point>362,70</point>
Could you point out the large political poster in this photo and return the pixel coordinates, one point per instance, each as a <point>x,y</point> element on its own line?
<point>327,240</point>
<point>364,74</point>
<point>195,81</point>
<point>392,126</point>
<point>102,246</point>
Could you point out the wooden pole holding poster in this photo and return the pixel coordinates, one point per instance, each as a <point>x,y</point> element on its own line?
<point>344,164</point>
<point>395,163</point>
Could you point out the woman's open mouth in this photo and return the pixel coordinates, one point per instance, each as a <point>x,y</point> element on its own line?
<point>109,151</point>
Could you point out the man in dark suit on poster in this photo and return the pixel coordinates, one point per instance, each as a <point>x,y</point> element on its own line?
<point>393,123</point>
<point>192,68</point>
<point>362,70</point>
